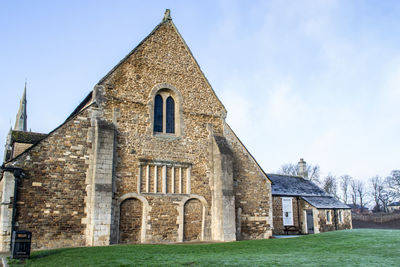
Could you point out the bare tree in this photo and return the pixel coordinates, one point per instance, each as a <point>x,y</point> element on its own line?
<point>289,169</point>
<point>385,195</point>
<point>361,192</point>
<point>329,185</point>
<point>393,181</point>
<point>312,171</point>
<point>345,181</point>
<point>353,185</point>
<point>377,187</point>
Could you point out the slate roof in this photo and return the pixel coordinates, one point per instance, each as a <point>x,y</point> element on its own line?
<point>325,203</point>
<point>26,137</point>
<point>287,185</point>
<point>394,204</point>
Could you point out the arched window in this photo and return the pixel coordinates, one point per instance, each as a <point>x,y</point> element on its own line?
<point>164,112</point>
<point>170,116</point>
<point>158,114</point>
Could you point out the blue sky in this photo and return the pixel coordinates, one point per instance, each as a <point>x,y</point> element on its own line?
<point>312,79</point>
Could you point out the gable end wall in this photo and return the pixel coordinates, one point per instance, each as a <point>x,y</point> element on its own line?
<point>51,198</point>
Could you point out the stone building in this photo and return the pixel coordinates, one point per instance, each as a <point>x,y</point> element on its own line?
<point>301,207</point>
<point>146,157</point>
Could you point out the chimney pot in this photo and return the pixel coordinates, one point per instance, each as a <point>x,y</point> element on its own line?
<point>302,168</point>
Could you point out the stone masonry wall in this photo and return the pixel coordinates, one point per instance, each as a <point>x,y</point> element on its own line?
<point>335,223</point>
<point>252,193</point>
<point>161,61</point>
<point>326,226</point>
<point>50,200</point>
<point>278,215</point>
<point>163,214</point>
<point>347,220</point>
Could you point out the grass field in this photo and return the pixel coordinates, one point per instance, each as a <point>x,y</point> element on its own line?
<point>342,248</point>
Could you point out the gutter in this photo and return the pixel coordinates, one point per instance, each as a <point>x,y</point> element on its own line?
<point>18,174</point>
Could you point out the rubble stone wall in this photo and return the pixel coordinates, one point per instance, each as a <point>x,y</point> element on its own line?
<point>50,199</point>
<point>253,199</point>
<point>163,62</point>
<point>278,215</point>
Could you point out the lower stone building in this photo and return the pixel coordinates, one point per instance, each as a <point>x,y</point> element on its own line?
<point>301,207</point>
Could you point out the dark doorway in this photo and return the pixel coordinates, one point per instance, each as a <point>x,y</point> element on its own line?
<point>310,222</point>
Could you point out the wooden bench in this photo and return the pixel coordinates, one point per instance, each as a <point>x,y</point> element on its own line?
<point>291,228</point>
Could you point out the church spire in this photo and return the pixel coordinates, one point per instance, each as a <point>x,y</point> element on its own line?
<point>21,120</point>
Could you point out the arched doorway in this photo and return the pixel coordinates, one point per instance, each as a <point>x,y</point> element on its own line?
<point>131,211</point>
<point>192,221</point>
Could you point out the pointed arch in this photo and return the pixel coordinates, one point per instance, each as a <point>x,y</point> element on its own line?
<point>170,115</point>
<point>166,116</point>
<point>158,114</point>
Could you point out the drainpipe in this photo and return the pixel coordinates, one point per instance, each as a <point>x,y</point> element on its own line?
<point>18,174</point>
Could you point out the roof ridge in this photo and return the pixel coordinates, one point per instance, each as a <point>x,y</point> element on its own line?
<point>288,175</point>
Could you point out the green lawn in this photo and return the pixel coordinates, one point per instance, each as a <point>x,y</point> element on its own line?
<point>342,248</point>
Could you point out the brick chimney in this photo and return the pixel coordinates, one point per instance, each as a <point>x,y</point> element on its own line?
<point>302,168</point>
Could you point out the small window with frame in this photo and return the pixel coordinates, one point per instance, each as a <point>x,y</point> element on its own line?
<point>328,217</point>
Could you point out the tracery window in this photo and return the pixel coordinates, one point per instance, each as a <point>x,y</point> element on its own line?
<point>164,112</point>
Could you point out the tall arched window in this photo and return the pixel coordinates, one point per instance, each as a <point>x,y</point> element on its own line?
<point>170,115</point>
<point>164,112</point>
<point>158,114</point>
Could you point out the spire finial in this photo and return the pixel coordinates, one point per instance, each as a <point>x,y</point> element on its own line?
<point>21,119</point>
<point>167,15</point>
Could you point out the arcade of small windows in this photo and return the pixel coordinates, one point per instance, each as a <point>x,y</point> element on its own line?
<point>164,113</point>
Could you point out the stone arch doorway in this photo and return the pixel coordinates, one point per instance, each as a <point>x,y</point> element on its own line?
<point>130,224</point>
<point>192,220</point>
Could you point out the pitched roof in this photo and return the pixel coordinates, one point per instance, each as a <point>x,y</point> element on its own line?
<point>286,185</point>
<point>325,202</point>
